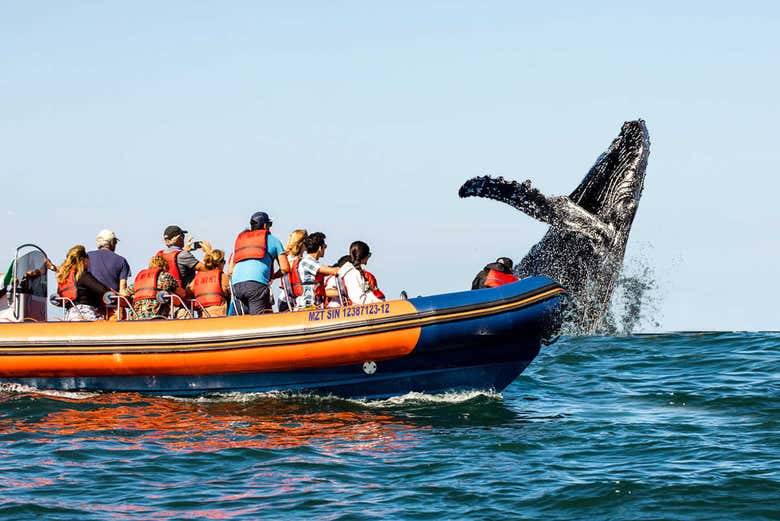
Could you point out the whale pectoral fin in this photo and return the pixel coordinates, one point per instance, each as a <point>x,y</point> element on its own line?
<point>560,212</point>
<point>518,195</point>
<point>571,216</point>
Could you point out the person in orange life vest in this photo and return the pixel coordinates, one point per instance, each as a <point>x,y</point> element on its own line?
<point>76,283</point>
<point>211,287</point>
<point>358,289</point>
<point>293,249</point>
<point>332,295</point>
<point>495,274</point>
<point>312,273</point>
<point>182,264</point>
<point>252,268</point>
<point>146,285</point>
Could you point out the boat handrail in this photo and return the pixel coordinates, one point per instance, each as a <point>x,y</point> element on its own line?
<point>343,297</point>
<point>170,298</point>
<point>65,303</point>
<point>120,302</point>
<point>203,312</point>
<point>288,293</point>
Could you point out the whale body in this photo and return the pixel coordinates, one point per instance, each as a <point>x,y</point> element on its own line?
<point>589,229</point>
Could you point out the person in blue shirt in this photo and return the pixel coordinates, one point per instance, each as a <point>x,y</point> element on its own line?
<point>109,268</point>
<point>252,266</point>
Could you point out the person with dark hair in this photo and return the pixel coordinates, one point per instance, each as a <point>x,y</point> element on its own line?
<point>311,272</point>
<point>182,264</point>
<point>252,265</point>
<point>495,274</point>
<point>354,275</point>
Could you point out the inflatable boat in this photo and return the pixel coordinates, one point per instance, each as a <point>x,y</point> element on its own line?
<point>473,340</point>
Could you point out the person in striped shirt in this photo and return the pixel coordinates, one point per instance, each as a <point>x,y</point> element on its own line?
<point>312,273</point>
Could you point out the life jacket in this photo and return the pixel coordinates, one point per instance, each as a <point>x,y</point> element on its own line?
<point>372,284</point>
<point>173,268</point>
<point>146,284</point>
<point>495,278</point>
<point>207,288</point>
<point>319,286</point>
<point>250,245</point>
<point>296,286</point>
<point>67,288</point>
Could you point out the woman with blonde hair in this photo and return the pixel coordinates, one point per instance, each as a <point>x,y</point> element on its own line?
<point>150,281</point>
<point>83,291</point>
<point>294,250</point>
<point>211,287</point>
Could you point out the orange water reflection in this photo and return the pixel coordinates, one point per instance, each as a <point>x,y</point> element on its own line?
<point>128,421</point>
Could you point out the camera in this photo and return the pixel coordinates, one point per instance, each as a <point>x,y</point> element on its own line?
<point>196,245</point>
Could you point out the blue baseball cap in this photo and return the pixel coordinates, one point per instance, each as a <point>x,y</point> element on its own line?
<point>260,218</point>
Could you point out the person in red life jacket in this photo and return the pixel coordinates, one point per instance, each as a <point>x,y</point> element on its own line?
<point>211,288</point>
<point>372,284</point>
<point>252,268</point>
<point>332,295</point>
<point>146,285</point>
<point>354,276</point>
<point>293,249</point>
<point>77,284</point>
<point>312,273</point>
<point>495,274</point>
<point>182,264</point>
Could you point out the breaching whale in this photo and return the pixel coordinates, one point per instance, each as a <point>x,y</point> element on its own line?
<point>586,242</point>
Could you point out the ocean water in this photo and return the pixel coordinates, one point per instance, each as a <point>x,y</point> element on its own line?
<point>668,426</point>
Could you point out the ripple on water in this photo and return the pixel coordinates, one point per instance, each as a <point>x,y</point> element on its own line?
<point>673,426</point>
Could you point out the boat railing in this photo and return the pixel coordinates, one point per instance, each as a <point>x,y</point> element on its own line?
<point>288,293</point>
<point>343,297</point>
<point>66,304</point>
<point>171,299</point>
<point>120,302</point>
<point>203,313</point>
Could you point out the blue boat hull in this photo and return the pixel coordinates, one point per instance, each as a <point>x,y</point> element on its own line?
<point>486,352</point>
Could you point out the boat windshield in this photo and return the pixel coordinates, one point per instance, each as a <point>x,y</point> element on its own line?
<point>27,296</point>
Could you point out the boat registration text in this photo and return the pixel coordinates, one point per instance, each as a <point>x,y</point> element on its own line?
<point>348,312</point>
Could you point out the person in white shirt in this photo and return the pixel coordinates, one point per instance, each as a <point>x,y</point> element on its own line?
<point>358,289</point>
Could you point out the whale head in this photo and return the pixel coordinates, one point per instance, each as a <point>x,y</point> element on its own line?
<point>612,188</point>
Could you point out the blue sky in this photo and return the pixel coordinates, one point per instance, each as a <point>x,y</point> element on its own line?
<point>362,120</point>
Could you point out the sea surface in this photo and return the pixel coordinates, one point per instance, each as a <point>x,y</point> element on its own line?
<point>669,426</point>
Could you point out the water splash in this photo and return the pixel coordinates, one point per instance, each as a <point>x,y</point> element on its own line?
<point>635,304</point>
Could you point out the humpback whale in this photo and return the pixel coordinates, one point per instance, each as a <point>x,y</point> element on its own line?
<point>586,242</point>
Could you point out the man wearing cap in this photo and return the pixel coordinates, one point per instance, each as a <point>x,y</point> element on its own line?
<point>181,263</point>
<point>106,266</point>
<point>252,265</point>
<point>495,274</point>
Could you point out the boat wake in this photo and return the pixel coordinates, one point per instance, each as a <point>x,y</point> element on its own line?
<point>412,398</point>
<point>18,389</point>
<point>449,398</point>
